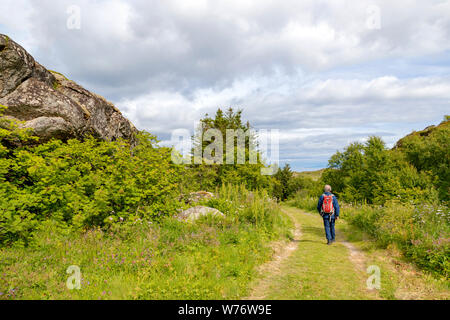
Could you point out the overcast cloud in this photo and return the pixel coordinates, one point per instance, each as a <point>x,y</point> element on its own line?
<point>321,72</point>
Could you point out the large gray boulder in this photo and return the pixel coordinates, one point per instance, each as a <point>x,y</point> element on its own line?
<point>52,105</point>
<point>195,213</point>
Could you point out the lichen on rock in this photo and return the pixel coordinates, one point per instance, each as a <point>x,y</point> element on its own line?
<point>52,105</point>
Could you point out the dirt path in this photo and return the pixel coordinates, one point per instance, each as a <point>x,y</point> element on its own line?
<point>358,258</point>
<point>307,268</point>
<point>282,250</point>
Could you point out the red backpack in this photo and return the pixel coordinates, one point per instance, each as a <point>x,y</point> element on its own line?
<point>327,205</point>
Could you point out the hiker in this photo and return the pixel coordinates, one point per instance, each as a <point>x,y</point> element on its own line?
<point>328,208</point>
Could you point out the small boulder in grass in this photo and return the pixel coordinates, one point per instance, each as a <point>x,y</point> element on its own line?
<point>197,212</point>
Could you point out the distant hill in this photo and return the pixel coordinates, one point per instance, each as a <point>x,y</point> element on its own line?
<point>314,175</point>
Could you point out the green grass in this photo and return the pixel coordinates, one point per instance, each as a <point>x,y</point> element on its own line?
<point>318,271</point>
<point>212,258</point>
<point>315,270</point>
<point>421,232</point>
<point>174,260</point>
<point>59,73</point>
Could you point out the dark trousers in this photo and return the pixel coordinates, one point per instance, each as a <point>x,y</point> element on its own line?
<point>329,227</point>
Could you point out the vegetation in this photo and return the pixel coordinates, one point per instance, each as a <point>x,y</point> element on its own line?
<point>372,173</point>
<point>288,184</point>
<point>83,184</point>
<point>428,151</point>
<point>397,196</point>
<point>111,209</point>
<point>212,171</point>
<point>306,273</point>
<point>211,258</point>
<point>420,232</point>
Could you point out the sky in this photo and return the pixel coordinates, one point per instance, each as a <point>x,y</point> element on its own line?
<point>322,73</point>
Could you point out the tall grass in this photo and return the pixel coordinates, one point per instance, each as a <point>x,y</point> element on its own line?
<point>244,206</point>
<point>304,201</point>
<point>169,259</point>
<point>422,232</point>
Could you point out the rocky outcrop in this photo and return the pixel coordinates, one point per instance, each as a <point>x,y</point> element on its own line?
<point>423,134</point>
<point>52,105</point>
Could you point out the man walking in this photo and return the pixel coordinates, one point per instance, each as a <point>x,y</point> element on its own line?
<point>328,208</point>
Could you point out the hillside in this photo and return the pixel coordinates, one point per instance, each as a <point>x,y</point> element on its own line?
<point>424,134</point>
<point>428,151</point>
<point>314,175</point>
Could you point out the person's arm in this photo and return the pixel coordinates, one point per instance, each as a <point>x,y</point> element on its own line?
<point>319,204</point>
<point>336,206</point>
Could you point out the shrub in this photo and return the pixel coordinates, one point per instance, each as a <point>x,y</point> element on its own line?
<point>84,184</point>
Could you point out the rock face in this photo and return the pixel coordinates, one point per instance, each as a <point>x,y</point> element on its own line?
<point>52,105</point>
<point>194,213</point>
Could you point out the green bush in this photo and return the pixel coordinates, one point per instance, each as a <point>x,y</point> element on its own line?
<point>83,184</point>
<point>207,176</point>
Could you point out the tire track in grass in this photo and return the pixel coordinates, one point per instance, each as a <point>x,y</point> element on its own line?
<point>282,251</point>
<point>359,260</point>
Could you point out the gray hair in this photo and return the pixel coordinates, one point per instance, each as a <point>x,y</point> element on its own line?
<point>327,188</point>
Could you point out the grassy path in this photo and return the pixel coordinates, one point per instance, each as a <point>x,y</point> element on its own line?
<point>307,268</point>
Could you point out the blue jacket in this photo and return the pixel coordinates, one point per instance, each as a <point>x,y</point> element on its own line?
<point>335,204</point>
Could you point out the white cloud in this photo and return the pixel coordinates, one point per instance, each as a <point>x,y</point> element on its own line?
<point>310,68</point>
<point>315,118</point>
